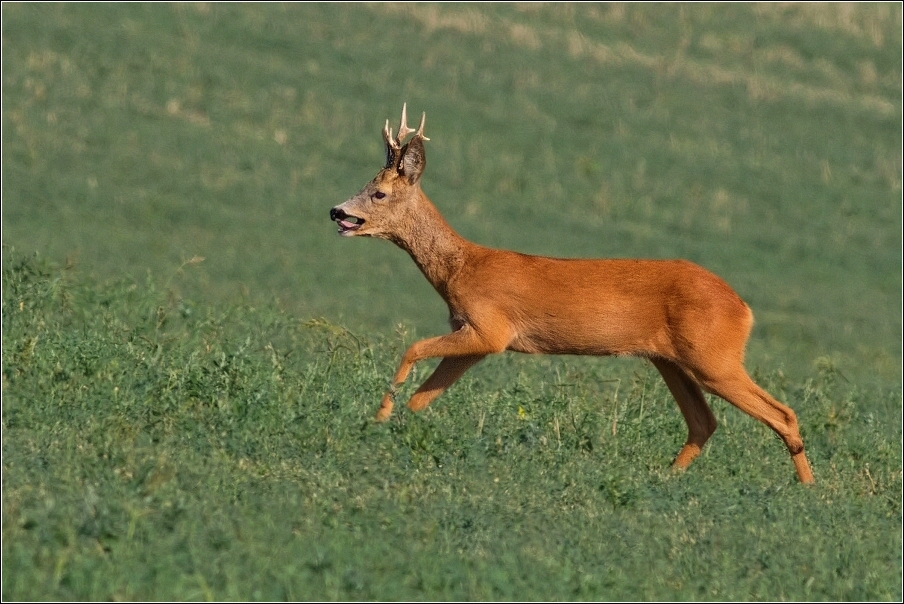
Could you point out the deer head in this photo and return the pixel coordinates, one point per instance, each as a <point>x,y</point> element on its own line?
<point>390,200</point>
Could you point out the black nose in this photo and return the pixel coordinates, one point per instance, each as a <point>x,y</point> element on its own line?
<point>336,214</point>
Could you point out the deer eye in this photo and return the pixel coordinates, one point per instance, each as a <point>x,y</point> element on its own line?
<point>379,194</point>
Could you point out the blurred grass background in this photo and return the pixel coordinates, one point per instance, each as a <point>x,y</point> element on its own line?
<point>762,141</point>
<point>184,429</point>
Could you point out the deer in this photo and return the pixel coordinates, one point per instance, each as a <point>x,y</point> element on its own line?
<point>688,322</point>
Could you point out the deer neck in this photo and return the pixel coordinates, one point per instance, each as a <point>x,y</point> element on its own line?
<point>434,246</point>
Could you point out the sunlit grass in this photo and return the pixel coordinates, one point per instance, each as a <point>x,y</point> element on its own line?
<point>164,451</point>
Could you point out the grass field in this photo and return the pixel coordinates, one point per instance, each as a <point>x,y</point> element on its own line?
<point>191,357</point>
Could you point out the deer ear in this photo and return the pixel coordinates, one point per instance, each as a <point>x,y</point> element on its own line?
<point>413,161</point>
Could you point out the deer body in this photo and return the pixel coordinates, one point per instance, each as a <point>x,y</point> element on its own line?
<point>688,322</point>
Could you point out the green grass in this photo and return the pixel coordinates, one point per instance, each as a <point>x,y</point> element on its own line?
<point>152,452</point>
<point>177,428</point>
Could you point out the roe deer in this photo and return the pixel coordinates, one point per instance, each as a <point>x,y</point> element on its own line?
<point>688,322</point>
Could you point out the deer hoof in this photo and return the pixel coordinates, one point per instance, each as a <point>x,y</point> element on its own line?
<point>385,409</point>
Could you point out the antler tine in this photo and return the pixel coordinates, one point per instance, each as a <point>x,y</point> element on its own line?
<point>387,136</point>
<point>404,130</point>
<point>420,130</point>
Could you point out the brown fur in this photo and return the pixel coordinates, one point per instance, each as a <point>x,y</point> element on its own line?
<point>688,322</point>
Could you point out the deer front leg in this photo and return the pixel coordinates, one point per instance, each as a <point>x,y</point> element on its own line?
<point>447,373</point>
<point>462,349</point>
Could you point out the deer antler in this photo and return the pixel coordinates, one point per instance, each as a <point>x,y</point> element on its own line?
<point>394,145</point>
<point>387,136</point>
<point>404,130</point>
<point>420,130</point>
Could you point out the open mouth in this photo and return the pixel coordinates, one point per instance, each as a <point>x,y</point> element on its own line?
<point>347,223</point>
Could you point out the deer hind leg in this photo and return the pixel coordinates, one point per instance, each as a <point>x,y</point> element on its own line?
<point>742,392</point>
<point>701,423</point>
